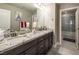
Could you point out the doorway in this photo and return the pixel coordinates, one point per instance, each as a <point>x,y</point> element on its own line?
<point>68,25</point>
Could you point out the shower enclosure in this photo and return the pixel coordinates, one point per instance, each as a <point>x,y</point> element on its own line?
<point>68,25</point>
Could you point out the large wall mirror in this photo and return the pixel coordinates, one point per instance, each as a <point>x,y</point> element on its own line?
<point>4,19</point>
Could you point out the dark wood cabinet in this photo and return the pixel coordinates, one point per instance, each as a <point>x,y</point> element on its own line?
<point>31,51</point>
<point>38,46</point>
<point>46,45</point>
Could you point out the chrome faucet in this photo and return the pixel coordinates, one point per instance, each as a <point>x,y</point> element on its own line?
<point>7,33</point>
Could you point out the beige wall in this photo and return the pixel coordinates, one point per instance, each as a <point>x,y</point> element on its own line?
<point>25,14</point>
<point>57,22</point>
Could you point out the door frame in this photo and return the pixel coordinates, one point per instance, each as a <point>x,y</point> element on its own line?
<point>60,22</point>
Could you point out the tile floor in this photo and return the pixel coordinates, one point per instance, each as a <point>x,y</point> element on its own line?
<point>67,48</point>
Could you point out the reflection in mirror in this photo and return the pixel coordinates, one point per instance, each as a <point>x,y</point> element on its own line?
<point>22,18</point>
<point>4,19</point>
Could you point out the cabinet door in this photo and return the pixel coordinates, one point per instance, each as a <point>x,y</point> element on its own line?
<point>50,40</point>
<point>31,51</point>
<point>46,44</point>
<point>40,48</point>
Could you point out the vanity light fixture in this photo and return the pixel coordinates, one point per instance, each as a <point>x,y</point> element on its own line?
<point>39,6</point>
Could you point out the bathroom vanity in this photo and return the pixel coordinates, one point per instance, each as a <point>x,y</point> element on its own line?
<point>37,43</point>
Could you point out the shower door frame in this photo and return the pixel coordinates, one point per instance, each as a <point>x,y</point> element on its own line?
<point>60,25</point>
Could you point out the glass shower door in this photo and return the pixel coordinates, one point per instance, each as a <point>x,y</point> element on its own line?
<point>68,26</point>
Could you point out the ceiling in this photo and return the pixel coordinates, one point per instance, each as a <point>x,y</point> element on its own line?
<point>31,7</point>
<point>67,5</point>
<point>28,6</point>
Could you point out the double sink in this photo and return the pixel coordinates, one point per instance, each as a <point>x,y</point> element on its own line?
<point>13,41</point>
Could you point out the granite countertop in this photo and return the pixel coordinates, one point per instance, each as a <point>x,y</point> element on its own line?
<point>13,42</point>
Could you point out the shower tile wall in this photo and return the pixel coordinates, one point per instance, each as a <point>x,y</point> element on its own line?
<point>68,26</point>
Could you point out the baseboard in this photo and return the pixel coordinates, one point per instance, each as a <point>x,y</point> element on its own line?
<point>55,45</point>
